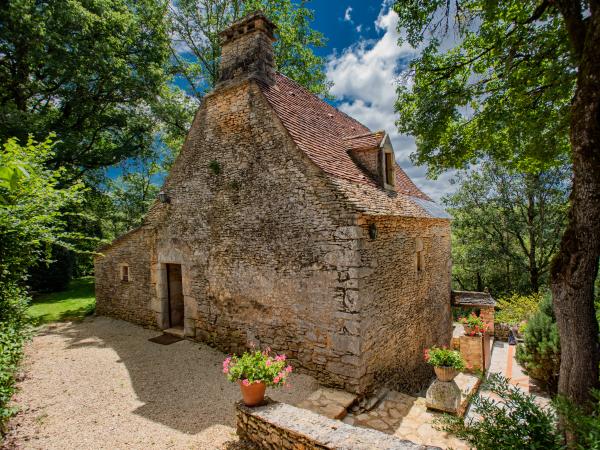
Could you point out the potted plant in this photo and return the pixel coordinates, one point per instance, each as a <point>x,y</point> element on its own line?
<point>254,371</point>
<point>446,362</point>
<point>473,325</point>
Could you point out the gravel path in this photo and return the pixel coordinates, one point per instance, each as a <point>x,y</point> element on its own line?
<point>99,384</point>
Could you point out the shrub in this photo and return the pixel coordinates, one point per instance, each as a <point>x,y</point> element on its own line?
<point>444,357</point>
<point>540,352</point>
<point>257,366</point>
<point>517,308</point>
<point>585,428</point>
<point>14,330</point>
<point>513,422</point>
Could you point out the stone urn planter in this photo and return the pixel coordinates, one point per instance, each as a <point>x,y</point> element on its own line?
<point>253,394</point>
<point>445,373</point>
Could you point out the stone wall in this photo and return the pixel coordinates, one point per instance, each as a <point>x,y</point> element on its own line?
<point>127,300</point>
<point>278,426</point>
<point>270,249</point>
<point>404,310</point>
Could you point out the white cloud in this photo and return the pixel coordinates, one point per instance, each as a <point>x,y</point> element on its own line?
<point>347,14</point>
<point>365,77</point>
<point>359,28</point>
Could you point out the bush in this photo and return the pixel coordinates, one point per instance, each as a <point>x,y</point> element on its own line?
<point>14,330</point>
<point>517,308</point>
<point>513,422</point>
<point>516,421</point>
<point>584,427</point>
<point>540,352</point>
<point>55,275</point>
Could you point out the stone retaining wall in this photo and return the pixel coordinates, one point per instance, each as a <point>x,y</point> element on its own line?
<point>281,426</point>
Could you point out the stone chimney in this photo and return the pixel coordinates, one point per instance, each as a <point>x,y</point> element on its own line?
<point>247,50</point>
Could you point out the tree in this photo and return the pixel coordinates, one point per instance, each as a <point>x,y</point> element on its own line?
<point>31,217</point>
<point>520,85</point>
<point>88,70</point>
<point>197,46</point>
<point>507,227</point>
<point>131,194</point>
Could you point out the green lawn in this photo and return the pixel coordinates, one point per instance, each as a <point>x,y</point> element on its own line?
<point>76,302</point>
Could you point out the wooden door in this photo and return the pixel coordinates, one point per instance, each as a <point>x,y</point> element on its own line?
<point>175,295</point>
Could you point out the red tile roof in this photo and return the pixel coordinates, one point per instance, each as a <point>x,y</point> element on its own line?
<point>326,134</point>
<point>364,141</point>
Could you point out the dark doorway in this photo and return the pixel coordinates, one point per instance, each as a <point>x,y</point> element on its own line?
<point>175,290</point>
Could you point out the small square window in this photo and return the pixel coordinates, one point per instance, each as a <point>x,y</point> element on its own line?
<point>124,273</point>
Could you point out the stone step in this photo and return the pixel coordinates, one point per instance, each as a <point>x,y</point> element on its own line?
<point>331,403</point>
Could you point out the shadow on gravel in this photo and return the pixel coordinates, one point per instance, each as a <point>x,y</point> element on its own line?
<point>181,385</point>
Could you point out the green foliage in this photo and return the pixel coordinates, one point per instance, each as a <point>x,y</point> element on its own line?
<point>513,422</point>
<point>31,218</point>
<point>76,302</point>
<point>89,70</point>
<point>502,90</point>
<point>197,24</point>
<point>444,357</point>
<point>14,330</point>
<point>257,366</point>
<point>506,228</point>
<point>31,222</point>
<point>540,352</point>
<point>53,275</point>
<point>517,308</point>
<point>516,421</point>
<point>584,426</point>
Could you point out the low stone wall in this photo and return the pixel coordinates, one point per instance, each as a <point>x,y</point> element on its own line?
<point>276,426</point>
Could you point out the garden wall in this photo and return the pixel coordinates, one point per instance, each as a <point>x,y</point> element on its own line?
<point>280,426</point>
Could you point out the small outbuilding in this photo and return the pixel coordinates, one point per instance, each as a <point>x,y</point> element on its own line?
<point>286,223</point>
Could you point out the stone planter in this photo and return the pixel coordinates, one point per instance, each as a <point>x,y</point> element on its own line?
<point>253,394</point>
<point>445,373</point>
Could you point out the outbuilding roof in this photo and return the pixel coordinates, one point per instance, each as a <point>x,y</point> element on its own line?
<point>471,298</point>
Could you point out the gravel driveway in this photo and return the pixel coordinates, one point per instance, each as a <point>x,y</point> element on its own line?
<point>99,384</point>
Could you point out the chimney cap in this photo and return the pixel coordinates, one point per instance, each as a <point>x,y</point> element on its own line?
<point>248,24</point>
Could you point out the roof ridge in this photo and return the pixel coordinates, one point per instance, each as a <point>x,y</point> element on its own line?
<point>364,134</point>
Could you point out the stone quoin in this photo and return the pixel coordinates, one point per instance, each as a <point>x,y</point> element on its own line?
<point>286,223</point>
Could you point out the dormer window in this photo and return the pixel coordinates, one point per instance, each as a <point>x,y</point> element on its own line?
<point>388,168</point>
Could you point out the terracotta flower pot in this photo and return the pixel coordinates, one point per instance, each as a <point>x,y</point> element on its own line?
<point>445,373</point>
<point>253,394</point>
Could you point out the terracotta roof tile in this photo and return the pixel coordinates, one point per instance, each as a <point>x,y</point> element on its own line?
<point>326,135</point>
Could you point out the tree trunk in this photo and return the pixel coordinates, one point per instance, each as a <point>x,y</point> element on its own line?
<point>576,265</point>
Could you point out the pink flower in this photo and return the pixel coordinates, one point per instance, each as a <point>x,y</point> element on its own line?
<point>277,379</point>
<point>245,382</point>
<point>280,358</point>
<point>226,365</point>
<point>268,363</point>
<point>288,369</point>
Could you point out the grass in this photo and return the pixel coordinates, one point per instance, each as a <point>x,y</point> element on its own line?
<point>78,301</point>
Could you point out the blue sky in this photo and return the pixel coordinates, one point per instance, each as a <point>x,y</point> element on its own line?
<point>364,62</point>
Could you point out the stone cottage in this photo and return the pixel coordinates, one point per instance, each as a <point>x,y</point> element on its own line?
<point>287,223</point>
